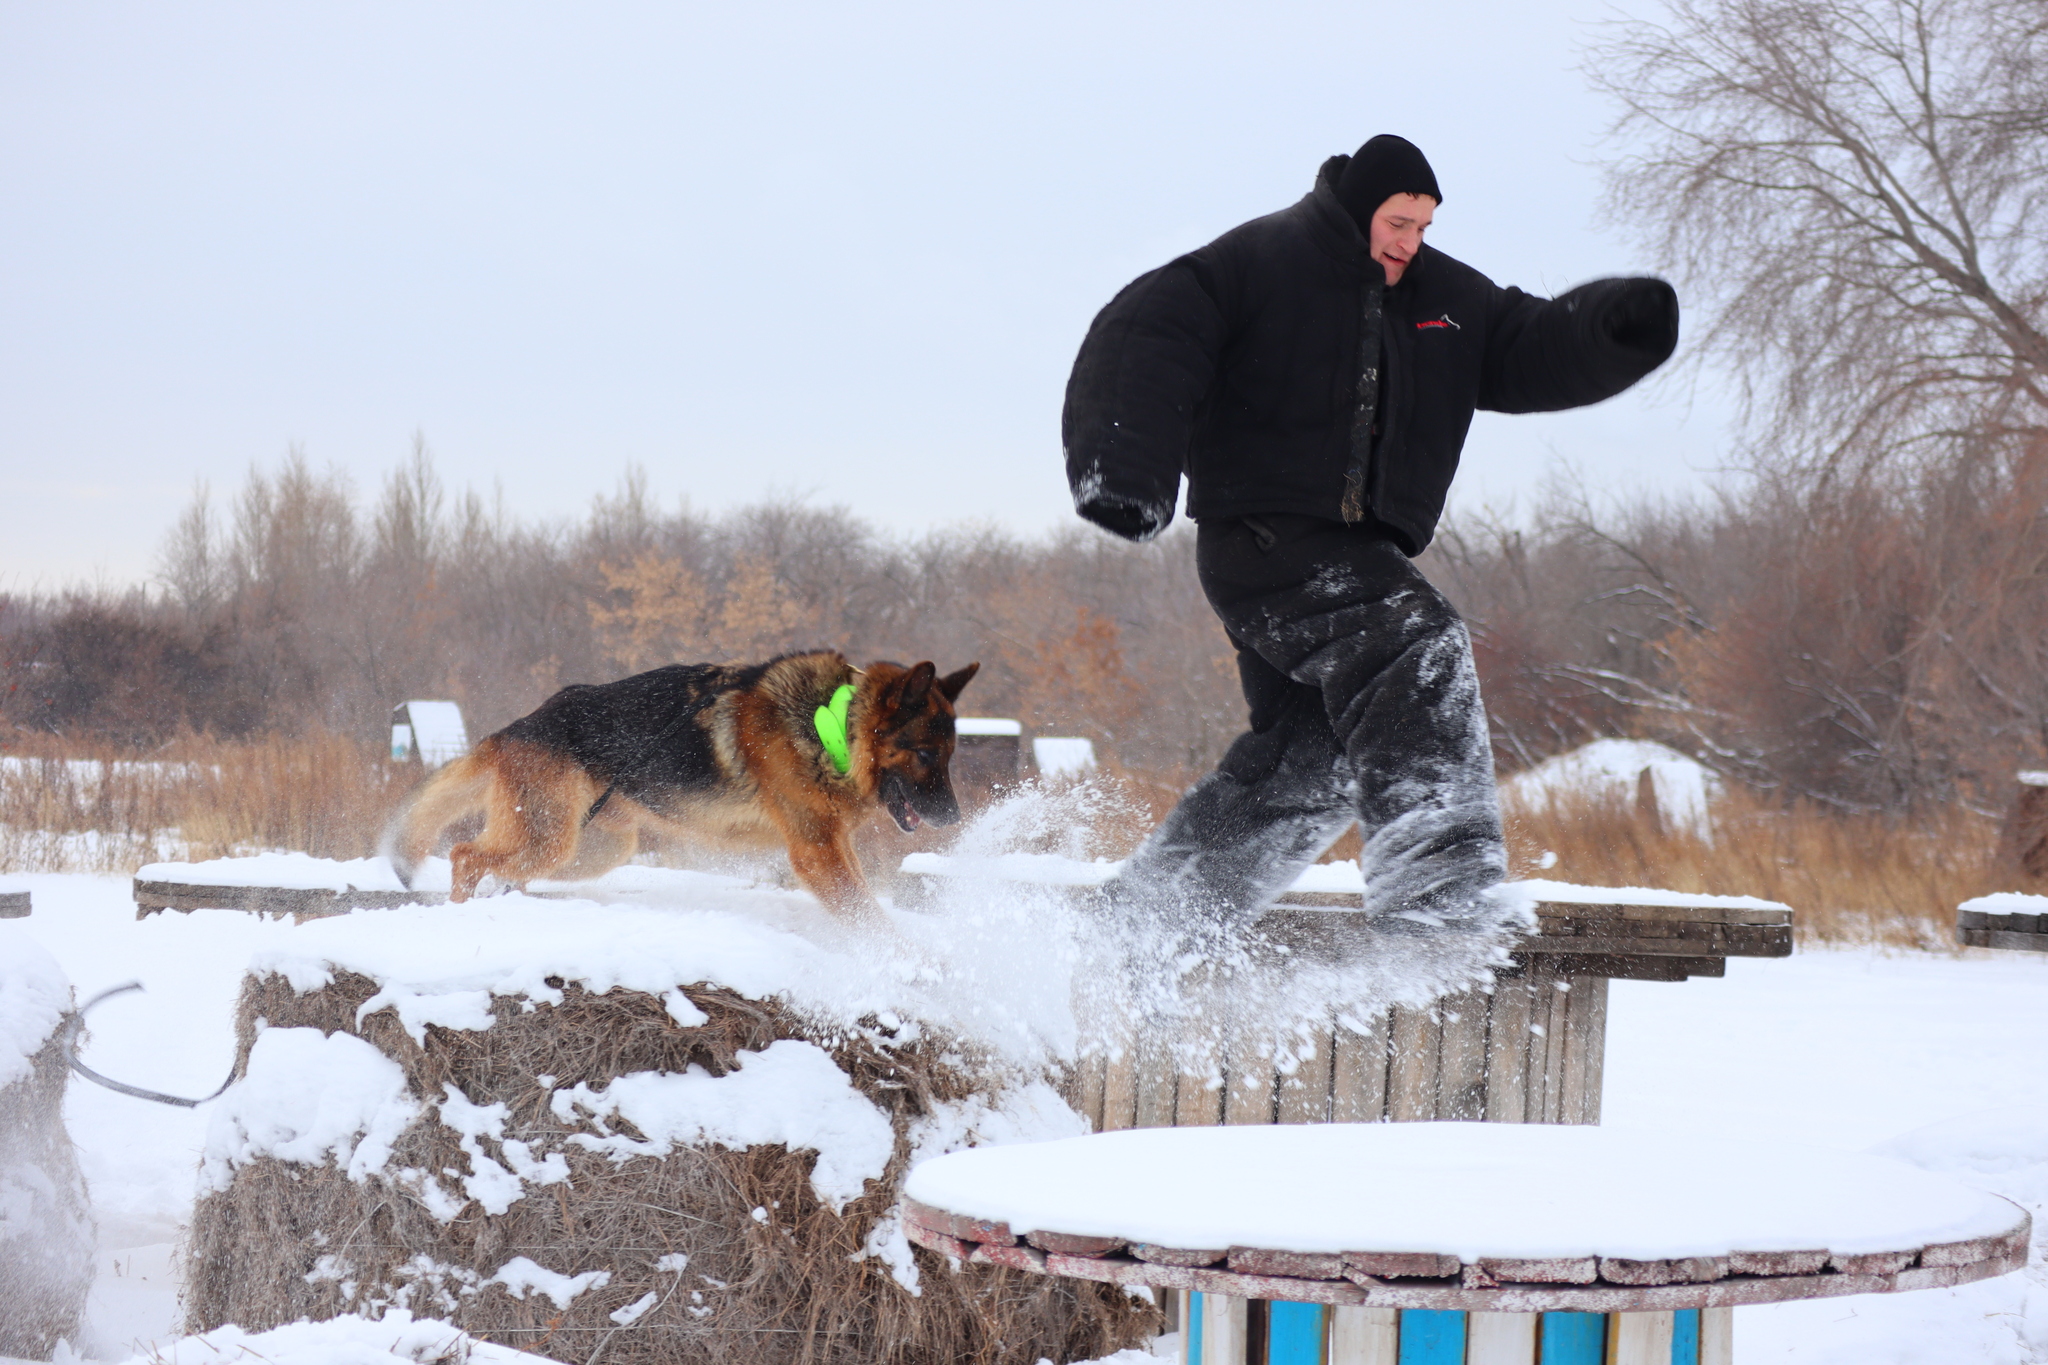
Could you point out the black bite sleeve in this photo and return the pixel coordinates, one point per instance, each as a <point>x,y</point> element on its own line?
<point>1583,346</point>
<point>1143,369</point>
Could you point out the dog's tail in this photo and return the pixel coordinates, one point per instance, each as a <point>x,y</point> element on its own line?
<point>447,796</point>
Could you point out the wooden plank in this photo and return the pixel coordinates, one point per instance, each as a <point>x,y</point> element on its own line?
<point>1198,1096</point>
<point>1294,1333</point>
<point>1120,1086</point>
<point>1088,1090</point>
<point>1191,1328</point>
<point>1358,1074</point>
<point>1432,1336</point>
<point>1557,1050</point>
<point>1717,1336</point>
<point>1546,1048</point>
<point>1685,1337</point>
<point>1639,968</point>
<point>1157,1073</point>
<point>1365,1336</point>
<point>1500,1339</point>
<point>1305,1096</point>
<point>1224,1320</point>
<point>1585,1016</point>
<point>1573,1339</point>
<point>1461,1077</point>
<point>1639,1339</point>
<point>1248,1081</point>
<point>1415,1040</point>
<point>1507,1051</point>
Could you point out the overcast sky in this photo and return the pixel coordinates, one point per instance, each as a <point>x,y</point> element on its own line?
<point>841,250</point>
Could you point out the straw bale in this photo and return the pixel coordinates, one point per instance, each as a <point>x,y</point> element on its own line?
<point>771,1275</point>
<point>46,1232</point>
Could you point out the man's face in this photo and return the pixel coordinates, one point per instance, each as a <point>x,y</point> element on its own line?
<point>1397,228</point>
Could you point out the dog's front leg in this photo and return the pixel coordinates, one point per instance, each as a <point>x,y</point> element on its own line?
<point>824,861</point>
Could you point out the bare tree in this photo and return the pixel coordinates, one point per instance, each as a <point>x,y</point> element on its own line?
<point>1858,191</point>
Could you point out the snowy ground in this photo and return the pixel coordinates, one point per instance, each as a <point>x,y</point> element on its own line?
<point>1938,1059</point>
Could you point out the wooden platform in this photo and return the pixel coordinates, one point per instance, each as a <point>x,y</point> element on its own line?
<point>299,902</point>
<point>1413,1280</point>
<point>1980,929</point>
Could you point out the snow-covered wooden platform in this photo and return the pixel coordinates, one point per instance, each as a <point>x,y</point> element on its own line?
<point>306,887</point>
<point>2010,919</point>
<point>1480,1217</point>
<point>1623,933</point>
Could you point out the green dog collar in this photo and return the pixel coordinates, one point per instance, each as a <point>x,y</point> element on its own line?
<point>831,723</point>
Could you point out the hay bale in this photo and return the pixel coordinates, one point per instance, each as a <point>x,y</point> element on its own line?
<point>46,1232</point>
<point>556,1225</point>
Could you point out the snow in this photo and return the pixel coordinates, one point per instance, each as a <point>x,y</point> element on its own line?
<point>1464,1189</point>
<point>790,1092</point>
<point>986,725</point>
<point>1611,768</point>
<point>1838,1049</point>
<point>1059,757</point>
<point>521,1277</point>
<point>2008,903</point>
<point>308,1096</point>
<point>397,1339</point>
<point>298,870</point>
<point>1567,893</point>
<point>1339,877</point>
<point>34,995</point>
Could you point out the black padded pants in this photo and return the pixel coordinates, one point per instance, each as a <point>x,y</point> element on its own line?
<point>1364,706</point>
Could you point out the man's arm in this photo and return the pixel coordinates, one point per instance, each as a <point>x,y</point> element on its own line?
<point>1583,346</point>
<point>1144,366</point>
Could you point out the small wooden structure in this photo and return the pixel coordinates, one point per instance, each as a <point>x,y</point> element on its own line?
<point>431,731</point>
<point>1530,1050</point>
<point>14,904</point>
<point>2012,920</point>
<point>988,758</point>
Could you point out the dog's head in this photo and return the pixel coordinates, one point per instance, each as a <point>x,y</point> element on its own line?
<point>909,730</point>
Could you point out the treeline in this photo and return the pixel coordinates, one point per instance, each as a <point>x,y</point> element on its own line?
<point>1875,643</point>
<point>298,607</point>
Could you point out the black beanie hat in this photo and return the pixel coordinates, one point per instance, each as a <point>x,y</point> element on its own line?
<point>1384,167</point>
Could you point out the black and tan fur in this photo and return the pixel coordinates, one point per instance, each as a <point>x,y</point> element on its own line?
<point>725,751</point>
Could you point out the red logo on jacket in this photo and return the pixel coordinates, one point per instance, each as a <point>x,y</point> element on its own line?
<point>1444,321</point>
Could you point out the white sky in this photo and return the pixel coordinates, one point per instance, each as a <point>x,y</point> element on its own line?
<point>840,250</point>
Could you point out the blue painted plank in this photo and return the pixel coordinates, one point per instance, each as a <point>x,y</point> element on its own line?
<point>1573,1339</point>
<point>1431,1336</point>
<point>1685,1337</point>
<point>1191,1325</point>
<point>1294,1333</point>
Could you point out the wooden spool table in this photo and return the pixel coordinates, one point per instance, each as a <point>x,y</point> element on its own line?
<point>1459,1244</point>
<point>2010,920</point>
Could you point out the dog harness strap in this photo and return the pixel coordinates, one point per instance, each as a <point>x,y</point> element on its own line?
<point>831,723</point>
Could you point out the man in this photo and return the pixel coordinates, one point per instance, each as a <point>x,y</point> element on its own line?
<point>1314,372</point>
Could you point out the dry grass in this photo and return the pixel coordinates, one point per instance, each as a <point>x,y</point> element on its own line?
<point>65,807</point>
<point>1850,878</point>
<point>771,1275</point>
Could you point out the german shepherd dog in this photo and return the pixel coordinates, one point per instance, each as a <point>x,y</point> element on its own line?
<point>740,753</point>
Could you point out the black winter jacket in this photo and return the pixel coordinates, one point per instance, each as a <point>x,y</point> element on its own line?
<point>1239,364</point>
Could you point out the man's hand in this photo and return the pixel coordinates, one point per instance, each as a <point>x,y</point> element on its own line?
<point>1643,316</point>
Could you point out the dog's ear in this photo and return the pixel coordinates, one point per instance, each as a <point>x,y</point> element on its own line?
<point>954,683</point>
<point>917,686</point>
